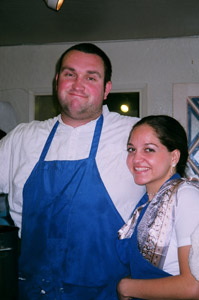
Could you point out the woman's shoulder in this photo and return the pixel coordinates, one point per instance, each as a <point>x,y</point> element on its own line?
<point>188,190</point>
<point>189,184</point>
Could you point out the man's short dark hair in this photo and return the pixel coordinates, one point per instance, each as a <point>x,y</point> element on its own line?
<point>91,49</point>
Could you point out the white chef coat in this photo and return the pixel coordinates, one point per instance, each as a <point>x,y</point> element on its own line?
<point>21,148</point>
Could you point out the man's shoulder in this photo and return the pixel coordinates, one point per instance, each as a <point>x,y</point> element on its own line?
<point>33,128</point>
<point>35,125</point>
<point>116,128</point>
<point>116,119</point>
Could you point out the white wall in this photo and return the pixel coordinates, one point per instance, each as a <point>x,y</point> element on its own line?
<point>151,66</point>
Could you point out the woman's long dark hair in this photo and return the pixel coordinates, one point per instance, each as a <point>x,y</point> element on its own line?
<point>171,134</point>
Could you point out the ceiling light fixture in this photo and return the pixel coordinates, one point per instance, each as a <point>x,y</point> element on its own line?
<point>54,4</point>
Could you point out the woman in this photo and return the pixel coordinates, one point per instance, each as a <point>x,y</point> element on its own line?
<point>156,240</point>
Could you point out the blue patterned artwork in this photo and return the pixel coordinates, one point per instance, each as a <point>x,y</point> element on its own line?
<point>193,132</point>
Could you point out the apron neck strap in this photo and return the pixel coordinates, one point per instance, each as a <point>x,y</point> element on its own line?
<point>48,142</point>
<point>96,137</point>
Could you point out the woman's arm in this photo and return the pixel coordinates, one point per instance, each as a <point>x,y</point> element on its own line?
<point>183,286</point>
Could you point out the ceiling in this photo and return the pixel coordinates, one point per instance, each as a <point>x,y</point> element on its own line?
<point>31,22</point>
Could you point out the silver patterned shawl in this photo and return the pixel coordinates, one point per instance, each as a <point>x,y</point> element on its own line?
<point>155,228</point>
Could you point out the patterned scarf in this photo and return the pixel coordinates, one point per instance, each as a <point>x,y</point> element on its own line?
<point>155,228</point>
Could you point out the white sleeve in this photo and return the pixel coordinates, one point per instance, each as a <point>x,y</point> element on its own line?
<point>187,213</point>
<point>5,154</point>
<point>194,253</point>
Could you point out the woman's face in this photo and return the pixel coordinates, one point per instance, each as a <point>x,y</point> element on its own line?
<point>148,160</point>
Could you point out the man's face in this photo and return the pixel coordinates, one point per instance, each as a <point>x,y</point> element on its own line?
<point>80,87</point>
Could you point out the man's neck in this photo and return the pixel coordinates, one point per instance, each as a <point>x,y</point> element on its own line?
<point>75,122</point>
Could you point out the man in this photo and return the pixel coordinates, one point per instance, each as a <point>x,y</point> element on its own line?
<point>69,174</point>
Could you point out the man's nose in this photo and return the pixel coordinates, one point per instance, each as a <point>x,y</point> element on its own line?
<point>78,83</point>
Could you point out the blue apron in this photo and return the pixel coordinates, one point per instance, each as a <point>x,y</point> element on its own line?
<point>69,226</point>
<point>129,254</point>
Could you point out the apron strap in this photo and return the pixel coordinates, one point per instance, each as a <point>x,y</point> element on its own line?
<point>96,137</point>
<point>48,142</point>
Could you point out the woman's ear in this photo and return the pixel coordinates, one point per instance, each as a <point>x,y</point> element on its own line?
<point>175,157</point>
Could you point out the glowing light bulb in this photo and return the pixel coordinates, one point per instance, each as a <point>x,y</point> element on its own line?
<point>124,108</point>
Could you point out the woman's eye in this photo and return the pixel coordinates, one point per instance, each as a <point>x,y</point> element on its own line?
<point>149,150</point>
<point>130,149</point>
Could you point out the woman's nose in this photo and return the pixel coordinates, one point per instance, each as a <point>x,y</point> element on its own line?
<point>137,156</point>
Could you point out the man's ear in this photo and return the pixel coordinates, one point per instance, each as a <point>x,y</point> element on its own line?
<point>107,90</point>
<point>56,80</point>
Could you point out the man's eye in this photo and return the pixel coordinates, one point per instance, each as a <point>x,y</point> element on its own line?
<point>68,74</point>
<point>130,149</point>
<point>91,78</point>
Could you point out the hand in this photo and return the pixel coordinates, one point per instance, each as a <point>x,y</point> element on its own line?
<point>122,289</point>
<point>120,297</point>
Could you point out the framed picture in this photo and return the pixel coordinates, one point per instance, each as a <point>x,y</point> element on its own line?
<point>186,111</point>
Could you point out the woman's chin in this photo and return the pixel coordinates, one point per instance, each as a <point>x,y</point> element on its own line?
<point>140,181</point>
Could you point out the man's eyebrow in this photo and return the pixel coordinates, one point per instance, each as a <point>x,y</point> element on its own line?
<point>95,72</point>
<point>90,72</point>
<point>67,68</point>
